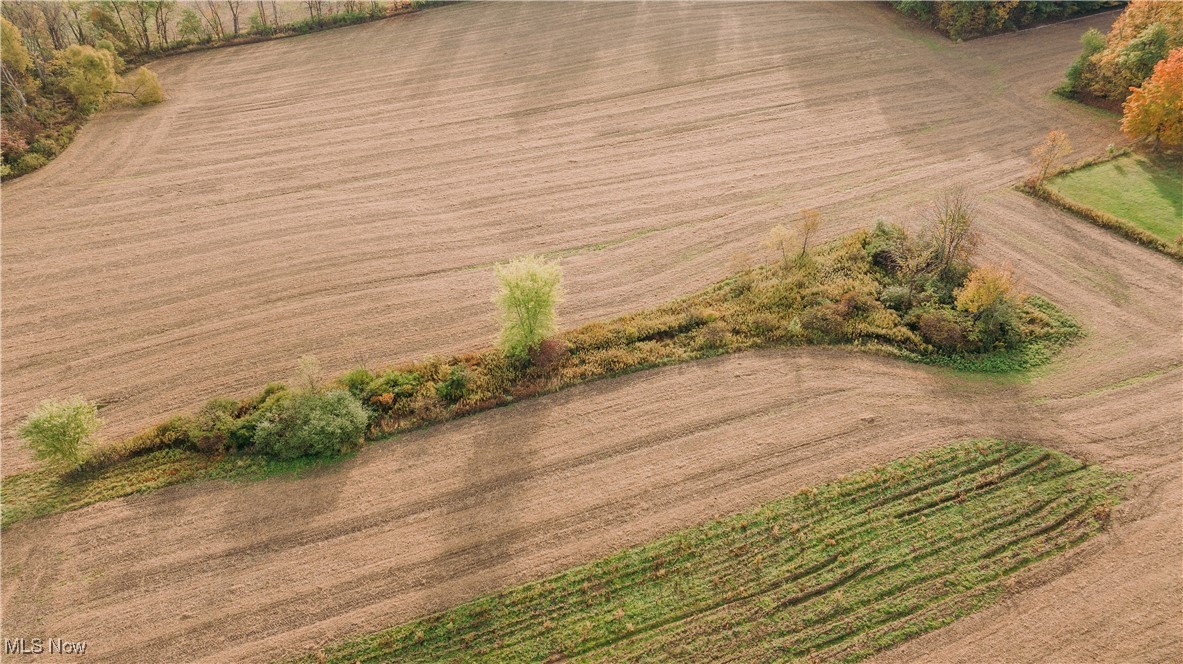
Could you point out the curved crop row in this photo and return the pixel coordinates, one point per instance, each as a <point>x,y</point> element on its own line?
<point>833,573</point>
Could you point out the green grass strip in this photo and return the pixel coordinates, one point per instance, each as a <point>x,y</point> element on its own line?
<point>836,572</point>
<point>1145,192</point>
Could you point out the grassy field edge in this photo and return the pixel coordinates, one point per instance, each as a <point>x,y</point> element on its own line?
<point>1111,222</point>
<point>835,572</point>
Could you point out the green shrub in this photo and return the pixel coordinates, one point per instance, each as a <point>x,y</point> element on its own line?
<point>45,147</point>
<point>29,163</point>
<point>268,394</point>
<point>213,426</point>
<point>398,383</point>
<point>883,245</point>
<point>1092,42</point>
<point>529,290</point>
<point>997,327</point>
<point>311,424</point>
<point>455,386</point>
<point>170,434</point>
<point>61,433</point>
<point>357,381</point>
<point>895,297</point>
<point>825,322</point>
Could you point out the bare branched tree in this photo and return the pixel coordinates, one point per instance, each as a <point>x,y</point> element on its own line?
<point>234,6</point>
<point>951,229</point>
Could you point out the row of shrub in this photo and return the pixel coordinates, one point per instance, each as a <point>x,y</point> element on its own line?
<point>1106,220</point>
<point>966,19</point>
<point>885,290</point>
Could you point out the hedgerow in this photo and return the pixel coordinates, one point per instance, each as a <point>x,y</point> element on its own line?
<point>849,292</point>
<point>883,290</point>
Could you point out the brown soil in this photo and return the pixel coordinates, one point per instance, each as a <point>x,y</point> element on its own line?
<point>343,194</point>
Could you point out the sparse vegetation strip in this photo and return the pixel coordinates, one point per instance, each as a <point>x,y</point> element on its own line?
<point>836,572</point>
<point>886,291</point>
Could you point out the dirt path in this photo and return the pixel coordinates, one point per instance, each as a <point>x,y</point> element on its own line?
<point>390,161</point>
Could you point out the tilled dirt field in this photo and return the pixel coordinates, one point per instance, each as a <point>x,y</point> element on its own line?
<point>344,193</point>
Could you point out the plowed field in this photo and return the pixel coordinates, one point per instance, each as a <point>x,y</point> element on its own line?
<point>344,193</point>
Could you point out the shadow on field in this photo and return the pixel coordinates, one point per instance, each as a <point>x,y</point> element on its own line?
<point>277,518</point>
<point>480,543</point>
<point>1166,177</point>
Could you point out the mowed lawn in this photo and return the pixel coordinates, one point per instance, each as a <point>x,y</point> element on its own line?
<point>832,573</point>
<point>1147,193</point>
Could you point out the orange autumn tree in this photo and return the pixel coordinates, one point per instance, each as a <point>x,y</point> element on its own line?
<point>1141,35</point>
<point>1155,110</point>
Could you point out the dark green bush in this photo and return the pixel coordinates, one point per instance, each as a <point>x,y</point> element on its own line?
<point>883,245</point>
<point>358,383</point>
<point>455,386</point>
<point>212,427</point>
<point>311,424</point>
<point>997,327</point>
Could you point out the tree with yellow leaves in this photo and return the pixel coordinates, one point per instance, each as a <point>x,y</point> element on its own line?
<point>1054,147</point>
<point>989,295</point>
<point>986,287</point>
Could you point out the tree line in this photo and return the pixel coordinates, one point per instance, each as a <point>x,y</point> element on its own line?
<point>1137,67</point>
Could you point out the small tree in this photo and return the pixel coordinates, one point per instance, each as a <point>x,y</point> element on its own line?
<point>780,239</point>
<point>952,232</point>
<point>1136,59</point>
<point>1155,110</point>
<point>985,288</point>
<point>61,433</point>
<point>190,26</point>
<point>811,221</point>
<point>989,296</point>
<point>143,86</point>
<point>1092,43</point>
<point>529,291</point>
<point>914,259</point>
<point>14,66</point>
<point>308,374</point>
<point>1054,147</point>
<point>88,74</point>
